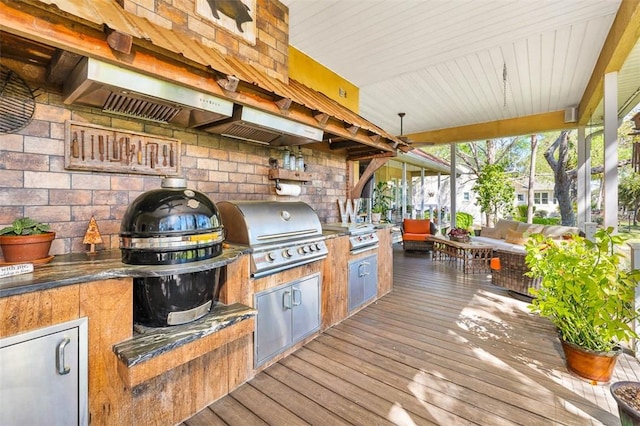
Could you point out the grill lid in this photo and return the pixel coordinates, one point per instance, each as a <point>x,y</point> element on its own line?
<point>257,223</point>
<point>173,218</point>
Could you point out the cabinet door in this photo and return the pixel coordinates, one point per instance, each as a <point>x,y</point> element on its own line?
<point>370,277</point>
<point>306,307</point>
<point>43,377</point>
<point>356,284</point>
<point>273,325</point>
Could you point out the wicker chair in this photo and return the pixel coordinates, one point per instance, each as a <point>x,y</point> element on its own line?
<point>511,274</point>
<point>416,233</point>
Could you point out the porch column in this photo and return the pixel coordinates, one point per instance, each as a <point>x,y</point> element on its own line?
<point>452,182</point>
<point>404,190</point>
<point>611,150</point>
<point>422,193</point>
<point>584,179</point>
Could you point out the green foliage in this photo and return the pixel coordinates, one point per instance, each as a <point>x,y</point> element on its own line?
<point>381,202</point>
<point>522,210</point>
<point>464,221</point>
<point>546,220</point>
<point>585,291</point>
<point>25,226</point>
<point>629,190</point>
<point>494,190</point>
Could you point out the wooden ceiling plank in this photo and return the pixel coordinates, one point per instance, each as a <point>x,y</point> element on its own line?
<point>623,36</point>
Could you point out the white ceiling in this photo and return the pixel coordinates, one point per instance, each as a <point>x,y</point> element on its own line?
<point>441,62</point>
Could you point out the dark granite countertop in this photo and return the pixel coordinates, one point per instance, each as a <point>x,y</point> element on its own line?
<point>149,342</point>
<point>78,268</point>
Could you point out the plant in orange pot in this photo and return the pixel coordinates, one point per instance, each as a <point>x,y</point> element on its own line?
<point>26,240</point>
<point>588,295</point>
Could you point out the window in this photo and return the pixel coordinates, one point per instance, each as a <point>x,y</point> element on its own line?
<point>541,198</point>
<point>466,196</point>
<point>521,198</point>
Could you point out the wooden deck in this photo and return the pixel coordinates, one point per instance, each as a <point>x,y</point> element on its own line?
<point>442,348</point>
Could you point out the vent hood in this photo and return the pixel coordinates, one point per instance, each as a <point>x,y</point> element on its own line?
<point>116,90</point>
<point>257,126</point>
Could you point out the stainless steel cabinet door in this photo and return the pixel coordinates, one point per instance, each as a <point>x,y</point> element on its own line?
<point>306,307</point>
<point>42,377</point>
<point>286,314</point>
<point>363,281</point>
<point>273,325</point>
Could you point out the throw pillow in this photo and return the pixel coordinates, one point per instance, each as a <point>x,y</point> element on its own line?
<point>515,237</point>
<point>490,232</point>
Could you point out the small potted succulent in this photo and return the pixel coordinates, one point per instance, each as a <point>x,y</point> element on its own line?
<point>26,240</point>
<point>460,235</point>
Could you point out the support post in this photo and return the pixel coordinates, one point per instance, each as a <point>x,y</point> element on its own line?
<point>611,150</point>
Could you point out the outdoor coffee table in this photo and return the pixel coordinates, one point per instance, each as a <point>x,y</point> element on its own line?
<point>470,257</point>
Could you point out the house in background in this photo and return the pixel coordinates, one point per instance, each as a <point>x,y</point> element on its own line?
<point>544,199</point>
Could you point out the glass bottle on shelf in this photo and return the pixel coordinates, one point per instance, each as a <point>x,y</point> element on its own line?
<point>286,158</point>
<point>300,165</point>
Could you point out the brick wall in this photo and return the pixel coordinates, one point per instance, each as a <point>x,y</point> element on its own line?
<point>270,52</point>
<point>34,182</point>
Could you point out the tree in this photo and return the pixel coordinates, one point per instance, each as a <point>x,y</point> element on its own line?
<point>629,193</point>
<point>560,166</point>
<point>495,192</point>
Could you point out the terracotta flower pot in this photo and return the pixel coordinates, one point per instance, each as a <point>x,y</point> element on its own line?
<point>625,393</point>
<point>591,365</point>
<point>25,248</point>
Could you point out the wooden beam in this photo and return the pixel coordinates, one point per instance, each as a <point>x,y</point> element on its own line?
<point>623,36</point>
<point>374,165</point>
<point>118,41</point>
<point>494,129</point>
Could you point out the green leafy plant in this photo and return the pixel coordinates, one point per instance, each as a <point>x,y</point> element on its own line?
<point>381,199</point>
<point>464,220</point>
<point>585,290</point>
<point>25,226</point>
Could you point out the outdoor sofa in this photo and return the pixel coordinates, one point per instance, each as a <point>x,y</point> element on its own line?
<point>508,238</point>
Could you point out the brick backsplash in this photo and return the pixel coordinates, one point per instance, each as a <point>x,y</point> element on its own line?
<point>34,183</point>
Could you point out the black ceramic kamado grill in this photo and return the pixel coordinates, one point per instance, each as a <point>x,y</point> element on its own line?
<point>171,226</point>
<point>281,234</point>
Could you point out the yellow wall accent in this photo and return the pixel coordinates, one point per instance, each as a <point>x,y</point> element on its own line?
<point>312,74</point>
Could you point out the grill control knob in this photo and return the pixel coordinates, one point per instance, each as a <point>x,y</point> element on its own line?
<point>287,253</point>
<point>312,247</point>
<point>318,246</point>
<point>303,250</point>
<point>271,256</point>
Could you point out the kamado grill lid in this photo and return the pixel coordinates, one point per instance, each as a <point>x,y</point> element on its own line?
<point>171,225</point>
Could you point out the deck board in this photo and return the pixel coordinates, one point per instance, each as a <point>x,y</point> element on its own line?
<point>441,348</point>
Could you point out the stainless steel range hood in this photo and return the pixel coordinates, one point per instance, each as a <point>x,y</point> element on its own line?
<point>120,91</point>
<point>253,125</point>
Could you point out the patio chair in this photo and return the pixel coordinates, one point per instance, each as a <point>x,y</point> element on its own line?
<point>416,234</point>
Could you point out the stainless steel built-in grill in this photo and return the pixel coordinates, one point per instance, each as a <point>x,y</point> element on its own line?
<point>282,235</point>
<point>362,236</point>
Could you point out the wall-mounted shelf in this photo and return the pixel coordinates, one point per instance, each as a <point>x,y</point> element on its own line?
<point>282,174</point>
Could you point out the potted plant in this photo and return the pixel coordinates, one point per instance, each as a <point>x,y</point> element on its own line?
<point>627,396</point>
<point>588,295</point>
<point>459,234</point>
<point>381,202</point>
<point>26,240</point>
